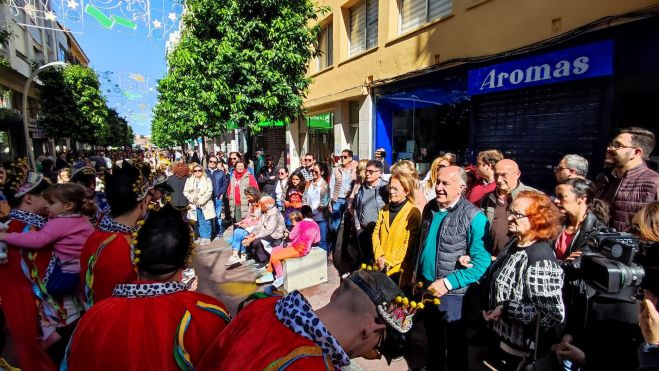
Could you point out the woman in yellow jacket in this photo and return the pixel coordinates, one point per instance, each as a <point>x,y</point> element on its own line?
<point>397,227</point>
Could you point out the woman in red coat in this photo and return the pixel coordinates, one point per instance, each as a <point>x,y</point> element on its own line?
<point>155,322</point>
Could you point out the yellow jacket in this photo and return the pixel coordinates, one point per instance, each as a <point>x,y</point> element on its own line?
<point>392,241</point>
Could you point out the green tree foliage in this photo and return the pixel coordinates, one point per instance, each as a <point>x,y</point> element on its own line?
<point>120,133</point>
<point>72,105</point>
<point>237,61</point>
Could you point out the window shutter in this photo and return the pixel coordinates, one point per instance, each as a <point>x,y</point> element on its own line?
<point>358,28</point>
<point>372,23</point>
<point>413,14</point>
<point>439,8</point>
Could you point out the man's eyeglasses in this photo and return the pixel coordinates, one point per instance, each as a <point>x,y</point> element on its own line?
<point>559,168</point>
<point>516,215</point>
<point>282,173</point>
<point>345,157</point>
<point>308,159</point>
<point>617,146</point>
<point>369,171</point>
<point>315,171</point>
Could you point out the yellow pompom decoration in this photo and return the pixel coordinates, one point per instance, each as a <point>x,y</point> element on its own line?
<point>406,301</point>
<point>140,222</point>
<point>136,260</point>
<point>413,304</point>
<point>138,252</point>
<point>369,268</point>
<point>399,299</point>
<point>421,306</point>
<point>134,234</point>
<point>363,266</point>
<point>134,242</point>
<point>435,301</point>
<point>419,285</point>
<point>150,207</point>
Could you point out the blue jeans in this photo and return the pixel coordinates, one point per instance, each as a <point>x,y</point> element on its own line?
<point>338,209</point>
<point>239,235</point>
<point>323,225</point>
<point>218,211</point>
<point>204,225</point>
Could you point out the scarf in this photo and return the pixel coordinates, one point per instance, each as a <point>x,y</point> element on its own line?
<point>236,189</point>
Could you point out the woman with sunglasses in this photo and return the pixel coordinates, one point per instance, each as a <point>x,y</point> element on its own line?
<point>281,187</point>
<point>199,192</point>
<point>316,195</point>
<point>241,178</point>
<point>524,284</point>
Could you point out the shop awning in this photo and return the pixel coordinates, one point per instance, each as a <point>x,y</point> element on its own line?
<point>423,97</point>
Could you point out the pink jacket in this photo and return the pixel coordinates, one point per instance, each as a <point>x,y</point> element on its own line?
<point>305,234</point>
<point>66,234</point>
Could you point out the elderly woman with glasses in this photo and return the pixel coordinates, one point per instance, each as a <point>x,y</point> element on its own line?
<point>525,282</point>
<point>199,192</point>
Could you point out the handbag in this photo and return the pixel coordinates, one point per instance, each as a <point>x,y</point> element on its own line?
<point>548,362</point>
<point>61,283</point>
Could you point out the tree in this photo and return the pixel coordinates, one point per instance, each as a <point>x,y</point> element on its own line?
<point>72,105</point>
<point>120,134</point>
<point>238,61</point>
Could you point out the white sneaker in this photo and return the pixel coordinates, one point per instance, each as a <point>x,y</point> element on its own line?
<point>278,282</point>
<point>266,278</point>
<point>207,241</point>
<point>243,258</point>
<point>234,259</point>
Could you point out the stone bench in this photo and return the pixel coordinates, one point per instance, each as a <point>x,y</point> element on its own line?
<point>307,271</point>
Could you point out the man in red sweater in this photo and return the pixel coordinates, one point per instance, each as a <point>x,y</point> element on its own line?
<point>485,163</point>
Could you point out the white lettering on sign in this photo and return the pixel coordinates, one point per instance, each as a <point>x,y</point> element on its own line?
<point>562,68</point>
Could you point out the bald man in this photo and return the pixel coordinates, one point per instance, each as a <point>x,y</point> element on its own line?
<point>452,227</point>
<point>496,203</point>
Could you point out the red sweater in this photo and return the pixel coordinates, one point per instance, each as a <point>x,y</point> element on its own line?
<point>256,339</point>
<point>478,191</point>
<point>105,261</point>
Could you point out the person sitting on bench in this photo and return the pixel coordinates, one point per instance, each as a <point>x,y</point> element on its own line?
<point>303,237</point>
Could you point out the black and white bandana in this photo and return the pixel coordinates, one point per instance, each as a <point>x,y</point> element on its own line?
<point>109,225</point>
<point>147,290</point>
<point>27,218</point>
<point>294,312</point>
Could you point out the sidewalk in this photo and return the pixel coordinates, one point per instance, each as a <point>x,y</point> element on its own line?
<point>232,286</point>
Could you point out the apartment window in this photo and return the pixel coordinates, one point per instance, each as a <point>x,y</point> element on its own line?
<point>20,42</point>
<point>363,26</point>
<point>325,41</point>
<point>414,13</point>
<point>61,53</point>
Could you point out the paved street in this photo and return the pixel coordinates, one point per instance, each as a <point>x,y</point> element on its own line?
<point>231,286</point>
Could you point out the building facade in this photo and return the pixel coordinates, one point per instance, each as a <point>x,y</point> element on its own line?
<point>35,40</point>
<point>397,74</point>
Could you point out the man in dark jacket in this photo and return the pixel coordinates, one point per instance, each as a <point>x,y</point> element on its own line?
<point>629,184</point>
<point>267,177</point>
<point>220,183</point>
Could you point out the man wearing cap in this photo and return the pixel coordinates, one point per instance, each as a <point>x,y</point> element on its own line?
<point>275,332</point>
<point>86,177</point>
<point>18,299</point>
<point>108,257</point>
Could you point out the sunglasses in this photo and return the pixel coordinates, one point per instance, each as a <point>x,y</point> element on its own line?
<point>345,157</point>
<point>213,162</point>
<point>315,171</point>
<point>234,158</point>
<point>372,171</point>
<point>282,173</point>
<point>197,170</point>
<point>308,159</point>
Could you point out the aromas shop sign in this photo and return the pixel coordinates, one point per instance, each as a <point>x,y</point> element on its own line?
<point>586,61</point>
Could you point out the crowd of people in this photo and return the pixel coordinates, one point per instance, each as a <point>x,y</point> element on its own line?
<point>462,268</point>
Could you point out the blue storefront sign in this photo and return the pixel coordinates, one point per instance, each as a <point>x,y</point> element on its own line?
<point>586,61</point>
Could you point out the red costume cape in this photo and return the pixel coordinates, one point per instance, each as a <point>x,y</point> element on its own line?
<point>105,261</point>
<point>165,332</point>
<point>19,303</point>
<point>257,340</point>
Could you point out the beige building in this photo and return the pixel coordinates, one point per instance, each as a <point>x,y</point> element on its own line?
<point>34,39</point>
<point>376,49</point>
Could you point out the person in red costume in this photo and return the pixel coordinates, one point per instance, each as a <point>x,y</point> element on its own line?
<point>107,257</point>
<point>155,322</point>
<point>18,301</point>
<point>285,332</point>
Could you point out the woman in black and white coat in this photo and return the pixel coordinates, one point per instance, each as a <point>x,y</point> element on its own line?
<point>525,282</point>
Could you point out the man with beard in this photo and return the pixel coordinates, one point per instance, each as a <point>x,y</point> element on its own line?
<point>629,183</point>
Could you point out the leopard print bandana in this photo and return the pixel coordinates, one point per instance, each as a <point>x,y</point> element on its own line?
<point>27,218</point>
<point>147,290</point>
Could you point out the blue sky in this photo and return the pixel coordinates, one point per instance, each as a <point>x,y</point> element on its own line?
<point>129,61</point>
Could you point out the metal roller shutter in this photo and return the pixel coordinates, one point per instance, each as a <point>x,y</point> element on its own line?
<point>537,126</point>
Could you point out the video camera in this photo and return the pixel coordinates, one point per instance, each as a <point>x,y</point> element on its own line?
<point>617,260</point>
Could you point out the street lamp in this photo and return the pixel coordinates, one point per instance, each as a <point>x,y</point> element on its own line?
<point>26,90</point>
